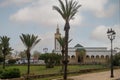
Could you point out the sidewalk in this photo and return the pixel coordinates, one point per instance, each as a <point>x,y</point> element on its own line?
<point>98,76</point>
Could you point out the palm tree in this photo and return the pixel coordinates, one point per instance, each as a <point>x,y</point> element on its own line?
<point>29,41</point>
<point>67,10</point>
<point>61,41</point>
<point>5,49</point>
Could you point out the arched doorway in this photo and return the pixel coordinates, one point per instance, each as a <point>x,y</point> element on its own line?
<point>80,53</point>
<point>80,59</point>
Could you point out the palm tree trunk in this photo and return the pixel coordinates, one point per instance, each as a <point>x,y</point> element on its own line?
<point>62,60</point>
<point>28,57</point>
<point>4,61</point>
<point>28,66</point>
<point>67,27</point>
<point>4,52</point>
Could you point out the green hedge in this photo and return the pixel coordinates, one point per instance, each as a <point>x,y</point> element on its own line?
<point>9,73</point>
<point>12,61</point>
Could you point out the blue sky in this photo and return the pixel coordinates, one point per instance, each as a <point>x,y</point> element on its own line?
<point>37,17</point>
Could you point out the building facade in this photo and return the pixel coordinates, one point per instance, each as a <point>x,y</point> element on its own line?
<point>84,55</point>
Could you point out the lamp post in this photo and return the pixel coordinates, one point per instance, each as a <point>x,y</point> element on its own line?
<point>45,50</point>
<point>111,35</point>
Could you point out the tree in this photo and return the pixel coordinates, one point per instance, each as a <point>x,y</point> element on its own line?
<point>50,59</point>
<point>22,54</point>
<point>36,54</point>
<point>5,48</point>
<point>67,10</point>
<point>61,41</point>
<point>29,41</point>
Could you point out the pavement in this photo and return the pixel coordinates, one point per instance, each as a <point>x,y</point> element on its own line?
<point>98,76</point>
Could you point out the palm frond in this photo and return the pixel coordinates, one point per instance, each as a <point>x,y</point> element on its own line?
<point>68,9</point>
<point>29,40</point>
<point>61,41</point>
<point>59,10</point>
<point>69,40</point>
<point>4,46</point>
<point>4,41</point>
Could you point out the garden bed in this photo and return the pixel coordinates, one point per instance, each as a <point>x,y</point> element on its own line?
<point>59,74</point>
<point>22,78</point>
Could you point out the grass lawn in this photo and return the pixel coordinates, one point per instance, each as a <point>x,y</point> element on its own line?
<point>56,69</point>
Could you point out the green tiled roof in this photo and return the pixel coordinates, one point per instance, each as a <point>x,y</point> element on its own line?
<point>80,49</point>
<point>78,45</point>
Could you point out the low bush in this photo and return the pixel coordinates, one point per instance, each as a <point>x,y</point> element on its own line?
<point>12,61</point>
<point>10,73</point>
<point>116,59</point>
<point>1,59</point>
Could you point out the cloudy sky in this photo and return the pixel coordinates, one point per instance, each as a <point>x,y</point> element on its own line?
<point>37,17</point>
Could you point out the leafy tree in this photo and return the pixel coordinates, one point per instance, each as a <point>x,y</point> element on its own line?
<point>36,54</point>
<point>67,10</point>
<point>11,61</point>
<point>5,48</point>
<point>29,41</point>
<point>50,59</point>
<point>22,54</point>
<point>9,56</point>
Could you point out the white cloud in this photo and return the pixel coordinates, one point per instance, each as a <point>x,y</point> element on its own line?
<point>98,7</point>
<point>99,34</point>
<point>42,14</point>
<point>47,41</point>
<point>14,2</point>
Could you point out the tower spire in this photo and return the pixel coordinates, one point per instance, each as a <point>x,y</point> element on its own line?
<point>57,30</point>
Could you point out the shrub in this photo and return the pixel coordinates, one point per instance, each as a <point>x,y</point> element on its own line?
<point>10,73</point>
<point>1,59</point>
<point>116,59</point>
<point>50,59</point>
<point>1,71</point>
<point>11,61</point>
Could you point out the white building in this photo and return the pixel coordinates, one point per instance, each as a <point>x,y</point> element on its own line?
<point>91,54</point>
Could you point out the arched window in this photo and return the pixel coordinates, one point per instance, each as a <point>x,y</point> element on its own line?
<point>107,57</point>
<point>102,56</point>
<point>97,56</point>
<point>92,56</point>
<point>68,56</point>
<point>72,56</point>
<point>87,56</point>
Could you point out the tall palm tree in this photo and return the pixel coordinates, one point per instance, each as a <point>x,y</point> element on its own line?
<point>29,41</point>
<point>67,10</point>
<point>5,48</point>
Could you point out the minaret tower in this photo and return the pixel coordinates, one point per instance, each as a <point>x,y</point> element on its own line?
<point>57,35</point>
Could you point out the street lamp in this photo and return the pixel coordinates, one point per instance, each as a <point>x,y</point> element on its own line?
<point>45,50</point>
<point>111,35</point>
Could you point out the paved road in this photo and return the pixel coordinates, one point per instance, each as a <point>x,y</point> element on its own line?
<point>98,76</point>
